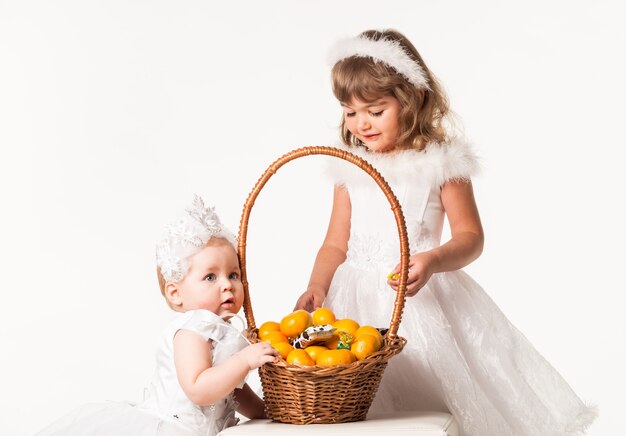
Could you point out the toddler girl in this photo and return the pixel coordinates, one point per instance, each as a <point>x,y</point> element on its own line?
<point>462,355</point>
<point>202,360</point>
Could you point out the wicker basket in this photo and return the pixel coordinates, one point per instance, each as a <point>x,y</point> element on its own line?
<point>311,394</point>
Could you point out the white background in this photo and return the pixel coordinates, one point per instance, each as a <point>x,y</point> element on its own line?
<point>113,113</point>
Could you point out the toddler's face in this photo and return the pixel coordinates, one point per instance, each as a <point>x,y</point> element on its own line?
<point>213,280</point>
<point>375,123</point>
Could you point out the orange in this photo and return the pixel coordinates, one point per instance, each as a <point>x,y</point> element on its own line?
<point>295,323</point>
<point>346,325</point>
<point>266,327</point>
<point>368,329</point>
<point>315,351</point>
<point>364,345</point>
<point>274,337</point>
<point>300,357</point>
<point>335,357</point>
<point>284,348</point>
<point>323,316</point>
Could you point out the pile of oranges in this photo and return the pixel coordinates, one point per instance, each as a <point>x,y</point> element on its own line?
<point>362,341</point>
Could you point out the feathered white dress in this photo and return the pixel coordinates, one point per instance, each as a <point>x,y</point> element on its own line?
<point>166,410</point>
<point>463,355</point>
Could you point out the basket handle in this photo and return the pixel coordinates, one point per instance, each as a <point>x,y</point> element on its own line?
<point>395,207</point>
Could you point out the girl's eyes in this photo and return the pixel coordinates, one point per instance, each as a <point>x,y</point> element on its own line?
<point>212,277</point>
<point>374,114</point>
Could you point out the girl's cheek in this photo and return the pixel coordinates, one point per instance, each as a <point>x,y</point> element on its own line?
<point>351,127</point>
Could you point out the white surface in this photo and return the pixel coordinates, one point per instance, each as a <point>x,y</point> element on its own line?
<point>401,423</point>
<point>112,113</point>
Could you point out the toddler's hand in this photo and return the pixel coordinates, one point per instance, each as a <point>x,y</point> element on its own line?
<point>258,354</point>
<point>310,300</point>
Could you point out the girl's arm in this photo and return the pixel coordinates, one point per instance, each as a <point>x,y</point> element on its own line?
<point>250,405</point>
<point>465,244</point>
<point>331,254</point>
<point>205,384</point>
<point>467,237</point>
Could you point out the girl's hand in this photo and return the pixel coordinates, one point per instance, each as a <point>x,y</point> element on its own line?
<point>421,267</point>
<point>258,354</point>
<point>310,300</point>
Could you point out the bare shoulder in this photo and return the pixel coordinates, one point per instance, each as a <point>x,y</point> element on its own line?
<point>188,342</point>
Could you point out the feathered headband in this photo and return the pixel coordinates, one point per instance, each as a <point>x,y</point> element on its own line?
<point>384,50</point>
<point>186,237</point>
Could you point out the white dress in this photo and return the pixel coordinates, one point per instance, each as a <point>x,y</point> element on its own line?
<point>166,410</point>
<point>463,355</point>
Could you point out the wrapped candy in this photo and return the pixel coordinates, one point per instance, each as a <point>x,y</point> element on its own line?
<point>345,340</point>
<point>314,335</point>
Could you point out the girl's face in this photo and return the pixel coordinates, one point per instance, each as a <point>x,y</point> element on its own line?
<point>374,123</point>
<point>213,280</point>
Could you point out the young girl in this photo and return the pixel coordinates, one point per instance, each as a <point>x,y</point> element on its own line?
<point>202,360</point>
<point>462,355</point>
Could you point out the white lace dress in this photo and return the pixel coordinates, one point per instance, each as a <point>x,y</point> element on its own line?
<point>166,410</point>
<point>462,355</point>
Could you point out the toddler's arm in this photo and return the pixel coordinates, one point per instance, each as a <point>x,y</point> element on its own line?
<point>205,384</point>
<point>331,254</point>
<point>250,405</point>
<point>464,246</point>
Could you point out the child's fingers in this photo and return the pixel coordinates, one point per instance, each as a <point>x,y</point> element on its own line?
<point>269,350</point>
<point>394,276</point>
<point>411,292</point>
<point>306,302</point>
<point>268,359</point>
<point>411,288</point>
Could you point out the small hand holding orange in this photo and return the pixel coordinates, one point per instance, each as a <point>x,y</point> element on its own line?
<point>258,354</point>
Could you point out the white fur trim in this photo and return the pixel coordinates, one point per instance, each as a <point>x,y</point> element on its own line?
<point>383,50</point>
<point>435,165</point>
<point>586,416</point>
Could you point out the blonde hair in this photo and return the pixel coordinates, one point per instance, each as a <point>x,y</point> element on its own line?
<point>424,113</point>
<point>162,283</point>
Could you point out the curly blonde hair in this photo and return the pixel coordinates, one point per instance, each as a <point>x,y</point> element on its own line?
<point>424,114</point>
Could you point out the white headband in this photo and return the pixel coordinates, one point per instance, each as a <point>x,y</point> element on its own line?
<point>186,237</point>
<point>383,50</point>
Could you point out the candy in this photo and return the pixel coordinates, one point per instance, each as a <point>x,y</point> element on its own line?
<point>313,335</point>
<point>345,340</point>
